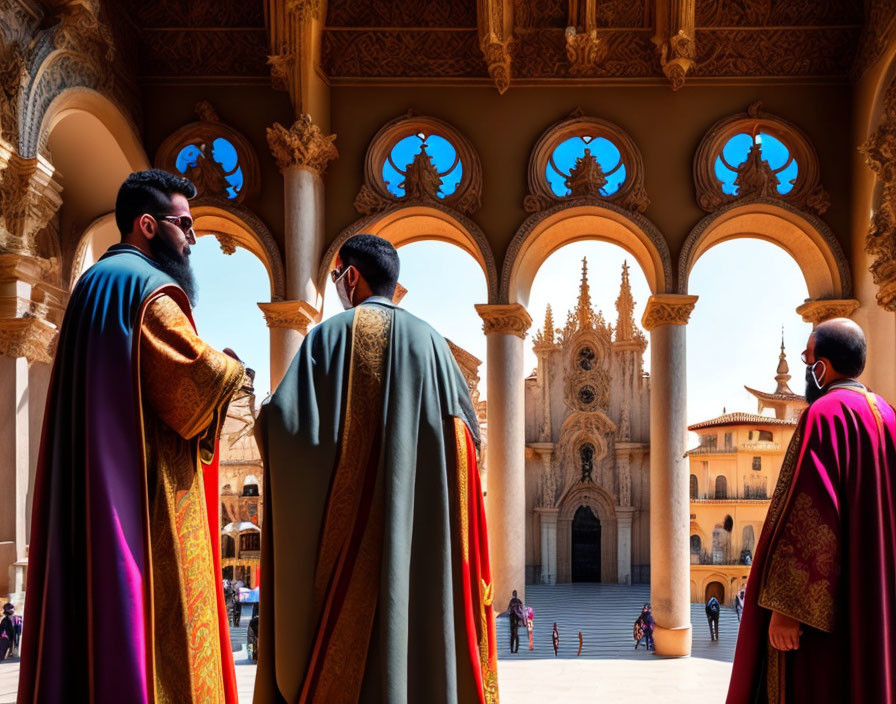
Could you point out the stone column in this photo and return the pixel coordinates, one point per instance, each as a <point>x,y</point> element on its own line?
<point>665,317</point>
<point>289,322</point>
<point>505,327</point>
<point>548,520</point>
<point>302,153</point>
<point>624,544</point>
<point>818,310</point>
<point>31,308</point>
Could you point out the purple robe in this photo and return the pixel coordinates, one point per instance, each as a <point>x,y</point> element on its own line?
<point>827,557</point>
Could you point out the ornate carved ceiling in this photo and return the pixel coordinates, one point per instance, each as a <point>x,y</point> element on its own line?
<point>509,42</point>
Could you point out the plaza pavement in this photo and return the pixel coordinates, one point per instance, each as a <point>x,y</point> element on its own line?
<point>608,670</point>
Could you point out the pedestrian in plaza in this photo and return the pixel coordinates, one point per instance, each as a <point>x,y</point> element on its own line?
<point>237,606</point>
<point>581,643</point>
<point>517,613</point>
<point>555,637</point>
<point>713,608</point>
<point>646,621</point>
<point>739,602</point>
<point>638,633</point>
<point>530,626</point>
<point>7,631</point>
<point>826,555</point>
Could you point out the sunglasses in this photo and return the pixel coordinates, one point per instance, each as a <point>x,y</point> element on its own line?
<point>183,222</point>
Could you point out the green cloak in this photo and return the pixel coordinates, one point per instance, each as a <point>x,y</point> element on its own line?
<point>414,654</point>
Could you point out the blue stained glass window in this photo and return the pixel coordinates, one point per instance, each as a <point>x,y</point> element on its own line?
<point>222,153</point>
<point>772,149</point>
<point>563,160</point>
<point>440,150</point>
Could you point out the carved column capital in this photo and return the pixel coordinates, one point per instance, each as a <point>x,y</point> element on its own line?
<point>668,309</point>
<point>304,10</point>
<point>295,315</point>
<point>29,198</point>
<point>29,336</point>
<point>303,145</point>
<point>511,319</point>
<point>818,311</point>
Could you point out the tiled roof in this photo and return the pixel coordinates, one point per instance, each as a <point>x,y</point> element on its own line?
<point>775,397</point>
<point>741,419</point>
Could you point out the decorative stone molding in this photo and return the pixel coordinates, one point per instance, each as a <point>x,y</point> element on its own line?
<point>587,178</point>
<point>208,175</point>
<point>302,146</point>
<point>495,24</point>
<point>512,319</point>
<point>304,10</point>
<point>818,311</point>
<point>667,309</point>
<point>755,179</point>
<point>585,51</point>
<point>469,367</point>
<point>282,67</point>
<point>675,32</point>
<point>29,199</point>
<point>879,151</point>
<point>422,180</point>
<point>227,242</point>
<point>294,315</point>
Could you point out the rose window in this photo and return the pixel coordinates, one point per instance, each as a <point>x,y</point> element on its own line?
<point>585,164</point>
<point>586,359</point>
<point>587,395</point>
<point>213,167</point>
<point>737,150</point>
<point>430,159</point>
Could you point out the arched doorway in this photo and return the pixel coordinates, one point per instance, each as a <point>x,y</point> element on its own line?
<point>715,589</point>
<point>585,546</point>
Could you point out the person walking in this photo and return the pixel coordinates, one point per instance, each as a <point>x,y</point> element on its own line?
<point>712,616</point>
<point>646,621</point>
<point>530,626</point>
<point>517,613</point>
<point>555,638</point>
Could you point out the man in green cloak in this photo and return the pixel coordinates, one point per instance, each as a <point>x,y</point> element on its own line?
<point>375,582</point>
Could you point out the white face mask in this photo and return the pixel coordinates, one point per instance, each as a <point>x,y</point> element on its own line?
<point>342,291</point>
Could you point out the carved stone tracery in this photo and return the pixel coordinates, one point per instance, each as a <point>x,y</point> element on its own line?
<point>422,180</point>
<point>586,178</point>
<point>755,178</point>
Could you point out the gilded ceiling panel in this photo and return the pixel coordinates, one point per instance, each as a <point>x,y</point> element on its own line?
<point>777,13</point>
<point>200,53</point>
<point>196,13</point>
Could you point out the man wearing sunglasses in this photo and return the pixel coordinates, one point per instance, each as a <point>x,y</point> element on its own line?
<point>823,574</point>
<point>122,530</point>
<point>375,582</point>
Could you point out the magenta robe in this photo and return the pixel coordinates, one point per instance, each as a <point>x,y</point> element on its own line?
<point>827,557</point>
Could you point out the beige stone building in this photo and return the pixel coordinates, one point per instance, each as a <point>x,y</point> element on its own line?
<point>288,113</point>
<point>587,447</point>
<point>734,470</point>
<point>241,490</point>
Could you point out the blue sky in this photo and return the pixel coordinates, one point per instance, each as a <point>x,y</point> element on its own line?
<point>748,289</point>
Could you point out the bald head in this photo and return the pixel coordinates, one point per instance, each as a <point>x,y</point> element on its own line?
<point>842,342</point>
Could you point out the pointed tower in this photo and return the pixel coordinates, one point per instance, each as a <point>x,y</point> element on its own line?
<point>786,404</point>
<point>783,375</point>
<point>545,337</point>
<point>625,306</point>
<point>583,309</point>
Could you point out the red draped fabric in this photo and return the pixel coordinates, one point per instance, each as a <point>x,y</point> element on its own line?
<point>210,480</point>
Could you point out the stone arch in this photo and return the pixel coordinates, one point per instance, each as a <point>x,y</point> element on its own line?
<point>604,507</point>
<point>415,222</point>
<point>713,585</point>
<point>802,235</point>
<point>232,224</point>
<point>721,487</point>
<point>583,219</point>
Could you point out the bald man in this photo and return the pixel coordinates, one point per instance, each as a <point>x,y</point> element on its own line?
<point>820,598</point>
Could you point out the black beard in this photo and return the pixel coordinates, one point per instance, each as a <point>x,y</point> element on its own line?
<point>177,266</point>
<point>813,393</point>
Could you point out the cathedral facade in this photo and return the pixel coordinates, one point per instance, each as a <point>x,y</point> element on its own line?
<point>587,447</point>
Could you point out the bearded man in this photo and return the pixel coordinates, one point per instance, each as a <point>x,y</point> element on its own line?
<point>375,582</point>
<point>124,527</point>
<point>825,565</point>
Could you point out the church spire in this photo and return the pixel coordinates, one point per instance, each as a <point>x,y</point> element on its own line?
<point>783,375</point>
<point>583,310</point>
<point>545,337</point>
<point>625,305</point>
